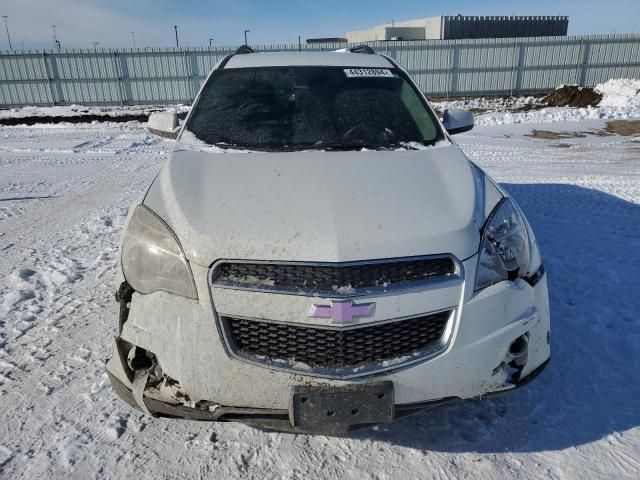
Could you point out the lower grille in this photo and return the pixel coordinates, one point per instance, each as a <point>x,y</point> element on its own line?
<point>289,346</point>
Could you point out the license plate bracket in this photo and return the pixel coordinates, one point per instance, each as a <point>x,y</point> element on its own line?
<point>335,409</point>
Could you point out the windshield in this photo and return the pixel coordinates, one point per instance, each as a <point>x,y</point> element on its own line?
<point>297,108</point>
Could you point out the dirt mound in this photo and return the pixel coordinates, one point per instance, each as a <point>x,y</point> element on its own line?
<point>573,96</point>
<point>79,118</point>
<point>548,135</point>
<point>625,128</point>
<point>567,96</point>
<point>36,120</point>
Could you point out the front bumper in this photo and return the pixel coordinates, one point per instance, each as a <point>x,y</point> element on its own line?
<point>183,335</point>
<point>279,419</point>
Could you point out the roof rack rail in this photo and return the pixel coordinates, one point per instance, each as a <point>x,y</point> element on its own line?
<point>244,49</point>
<point>362,49</point>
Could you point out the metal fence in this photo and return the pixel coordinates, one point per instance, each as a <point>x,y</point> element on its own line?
<point>448,68</point>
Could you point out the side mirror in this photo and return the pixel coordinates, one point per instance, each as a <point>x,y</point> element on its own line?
<point>457,121</point>
<point>164,124</point>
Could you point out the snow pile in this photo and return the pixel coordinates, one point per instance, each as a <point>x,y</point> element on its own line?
<point>620,100</point>
<point>82,110</point>
<point>620,93</point>
<point>548,115</point>
<point>485,104</point>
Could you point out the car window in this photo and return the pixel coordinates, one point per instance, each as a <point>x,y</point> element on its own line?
<point>285,108</point>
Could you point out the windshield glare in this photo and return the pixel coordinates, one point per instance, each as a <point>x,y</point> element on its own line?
<point>294,108</point>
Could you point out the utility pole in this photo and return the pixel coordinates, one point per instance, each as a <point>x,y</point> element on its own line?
<point>133,37</point>
<point>175,27</point>
<point>245,36</point>
<point>56,43</point>
<point>7,27</point>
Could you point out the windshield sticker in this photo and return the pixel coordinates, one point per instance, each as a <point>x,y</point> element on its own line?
<point>367,72</point>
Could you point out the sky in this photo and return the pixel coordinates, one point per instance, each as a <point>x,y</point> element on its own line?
<point>110,23</point>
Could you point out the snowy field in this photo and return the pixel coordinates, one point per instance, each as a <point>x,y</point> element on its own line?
<point>64,194</point>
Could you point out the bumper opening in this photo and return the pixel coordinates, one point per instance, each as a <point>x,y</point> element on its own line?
<point>123,297</point>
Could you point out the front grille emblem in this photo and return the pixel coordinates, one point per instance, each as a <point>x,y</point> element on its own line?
<point>342,311</point>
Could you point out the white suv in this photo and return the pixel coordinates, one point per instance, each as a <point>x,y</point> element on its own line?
<point>317,254</point>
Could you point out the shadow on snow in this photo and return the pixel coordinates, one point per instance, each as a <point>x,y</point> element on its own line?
<point>590,242</point>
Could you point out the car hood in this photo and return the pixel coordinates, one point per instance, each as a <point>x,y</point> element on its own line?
<point>322,206</point>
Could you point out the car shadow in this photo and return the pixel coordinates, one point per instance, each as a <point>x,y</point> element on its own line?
<point>590,242</point>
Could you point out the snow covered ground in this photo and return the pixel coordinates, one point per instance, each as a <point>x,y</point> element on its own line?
<point>64,193</point>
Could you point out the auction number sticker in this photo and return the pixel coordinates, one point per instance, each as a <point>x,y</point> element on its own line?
<point>367,72</point>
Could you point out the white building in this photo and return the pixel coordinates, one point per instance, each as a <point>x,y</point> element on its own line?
<point>452,27</point>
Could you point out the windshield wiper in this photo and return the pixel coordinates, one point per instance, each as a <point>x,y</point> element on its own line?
<point>225,145</point>
<point>259,148</point>
<point>363,144</point>
<point>329,146</point>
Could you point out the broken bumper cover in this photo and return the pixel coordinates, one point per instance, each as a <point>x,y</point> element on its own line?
<point>280,419</point>
<point>183,336</point>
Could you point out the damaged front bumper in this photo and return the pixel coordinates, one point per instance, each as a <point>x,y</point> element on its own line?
<point>284,419</point>
<point>170,360</point>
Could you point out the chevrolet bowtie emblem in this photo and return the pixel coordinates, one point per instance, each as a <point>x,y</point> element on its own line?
<point>342,311</point>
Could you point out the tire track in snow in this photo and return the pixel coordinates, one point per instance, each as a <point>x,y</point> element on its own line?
<point>60,292</point>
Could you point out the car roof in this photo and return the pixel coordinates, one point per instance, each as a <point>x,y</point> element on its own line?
<point>329,59</point>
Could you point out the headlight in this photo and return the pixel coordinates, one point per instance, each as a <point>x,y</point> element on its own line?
<point>152,258</point>
<point>508,249</point>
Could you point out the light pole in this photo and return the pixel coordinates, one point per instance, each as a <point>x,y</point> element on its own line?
<point>210,40</point>
<point>175,27</point>
<point>133,37</point>
<point>245,36</point>
<point>6,25</point>
<point>95,45</point>
<point>56,43</point>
